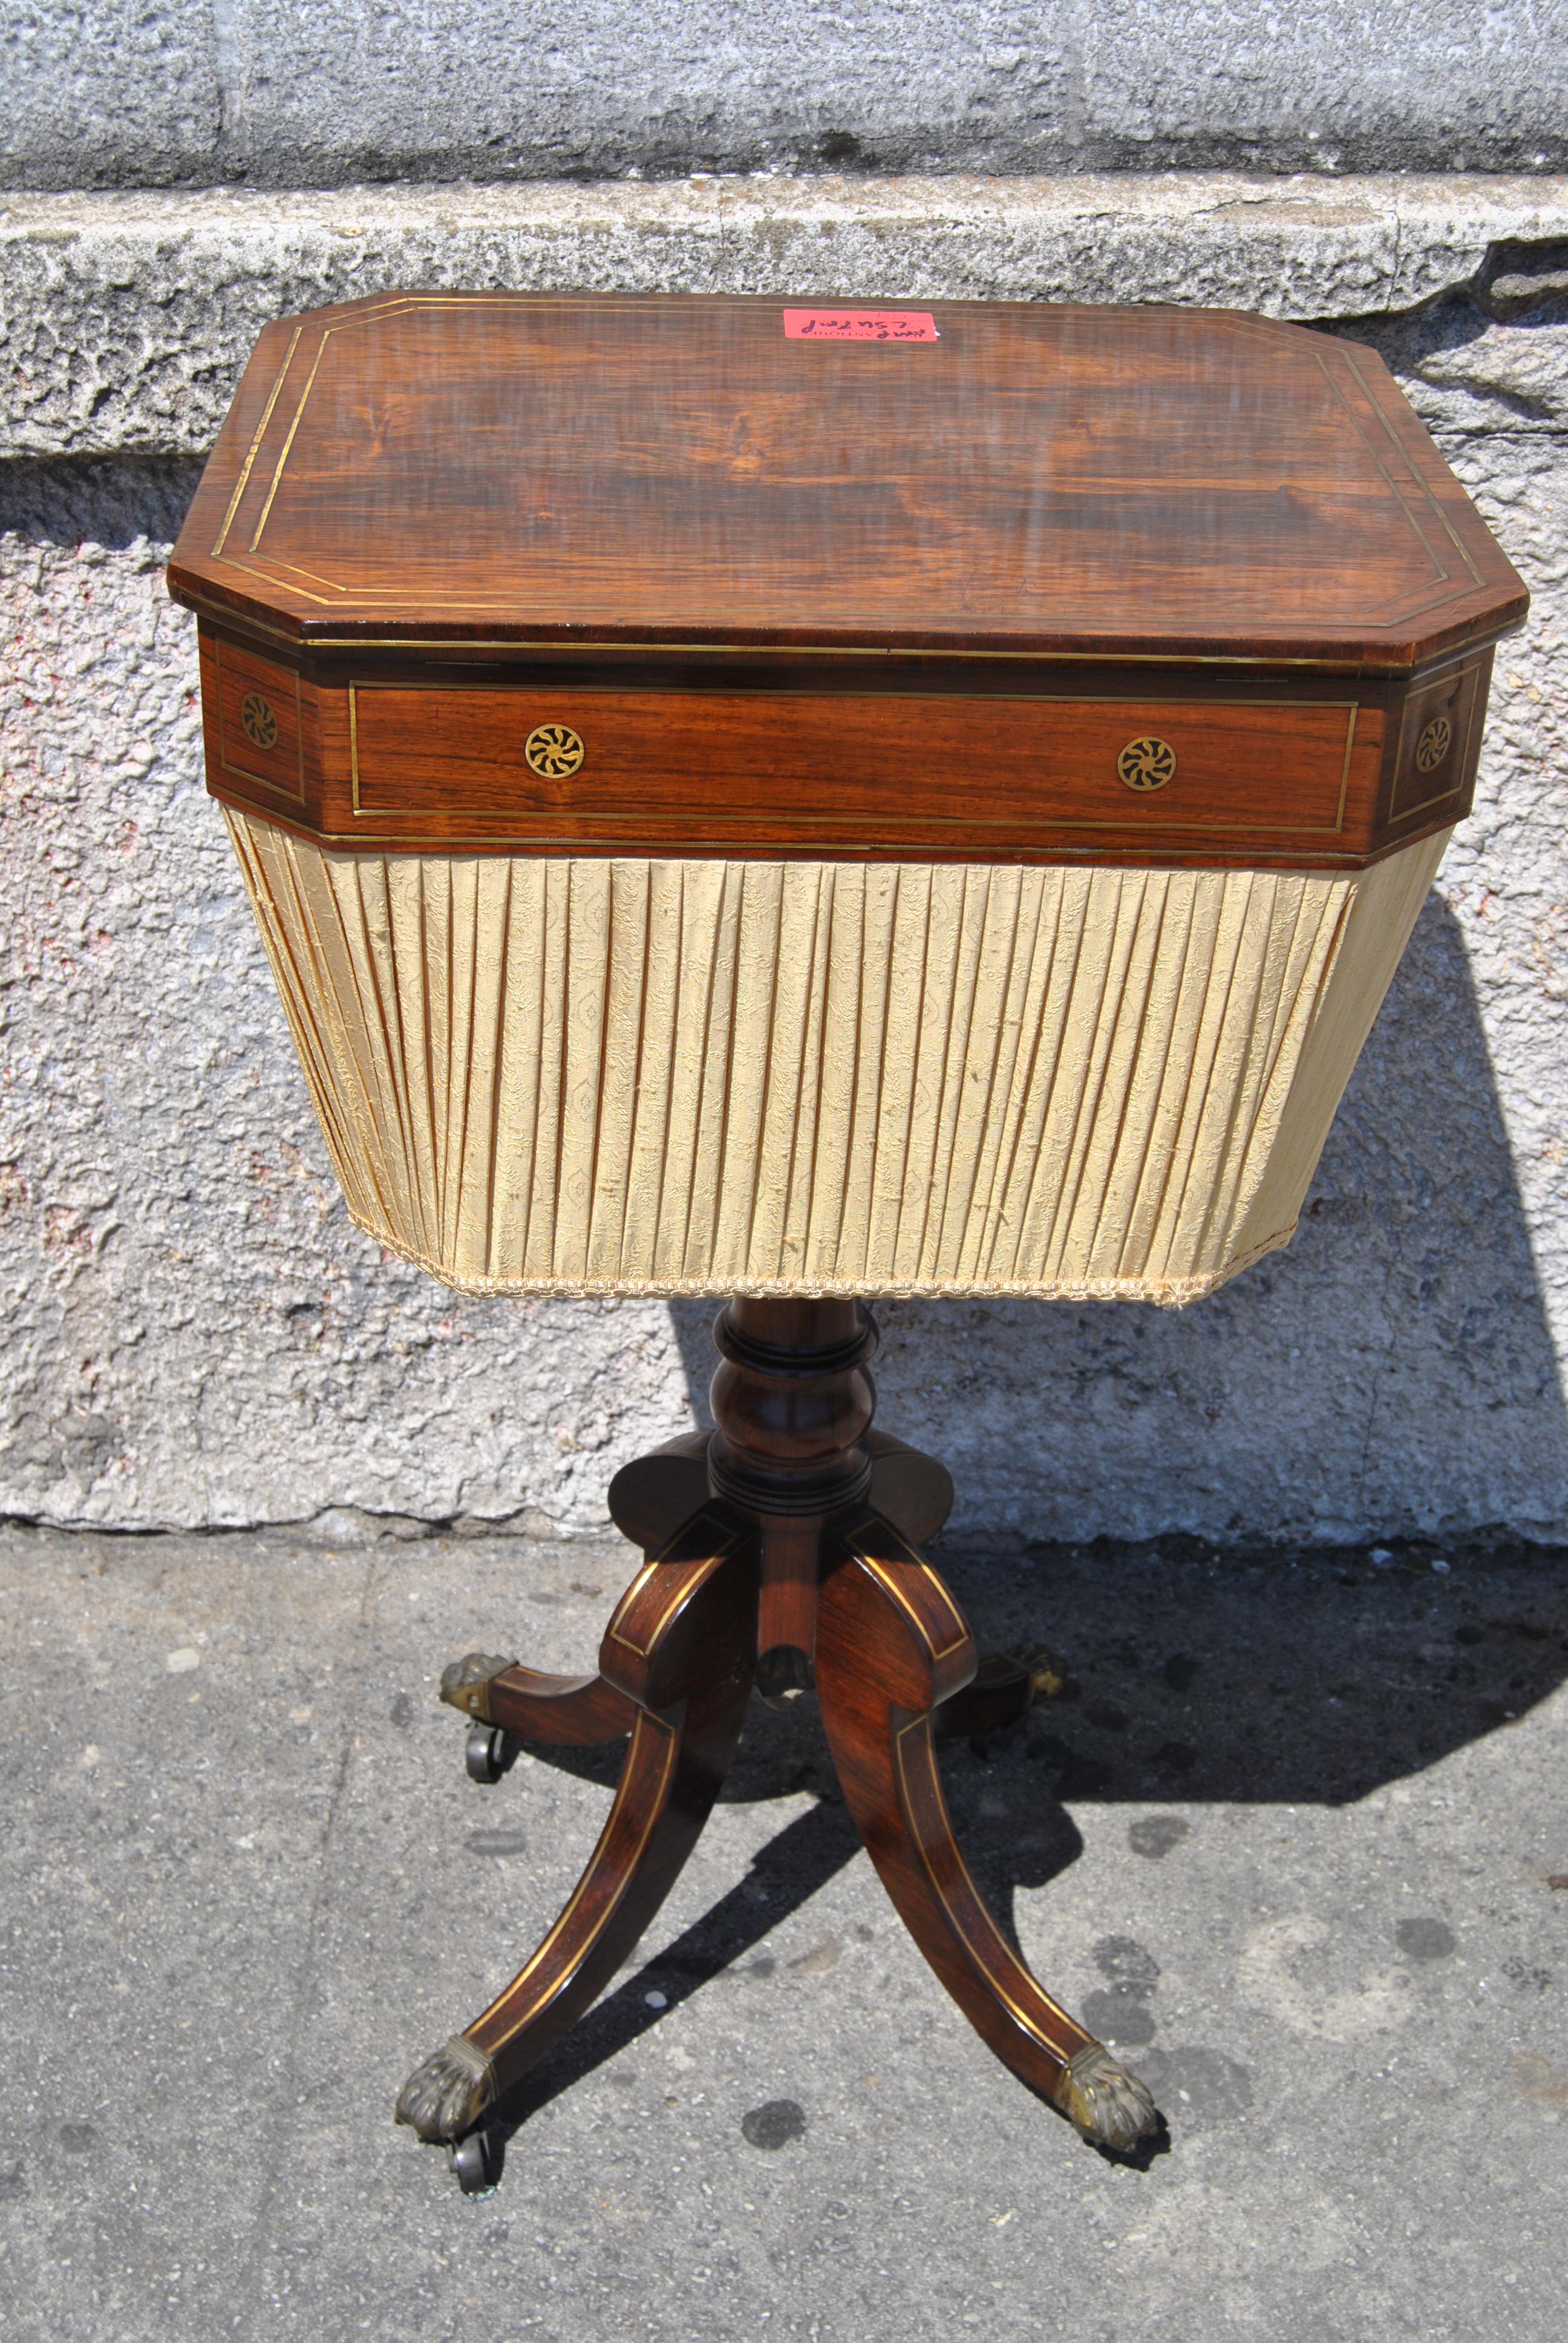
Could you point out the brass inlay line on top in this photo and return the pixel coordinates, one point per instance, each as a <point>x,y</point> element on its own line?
<point>276,571</point>
<point>635,650</point>
<point>384,602</point>
<point>298,412</point>
<point>396,306</point>
<point>239,486</point>
<point>1423,488</point>
<point>269,577</point>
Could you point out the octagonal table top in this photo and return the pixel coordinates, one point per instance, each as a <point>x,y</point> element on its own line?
<point>991,478</point>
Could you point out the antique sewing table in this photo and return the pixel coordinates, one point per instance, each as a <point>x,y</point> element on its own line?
<point>802,802</point>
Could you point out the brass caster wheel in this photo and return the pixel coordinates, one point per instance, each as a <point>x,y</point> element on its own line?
<point>477,2163</point>
<point>487,1752</point>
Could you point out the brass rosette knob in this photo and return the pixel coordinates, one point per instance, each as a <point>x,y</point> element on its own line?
<point>1147,764</point>
<point>258,721</point>
<point>553,751</point>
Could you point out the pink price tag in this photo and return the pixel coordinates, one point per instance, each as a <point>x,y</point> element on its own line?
<point>859,325</point>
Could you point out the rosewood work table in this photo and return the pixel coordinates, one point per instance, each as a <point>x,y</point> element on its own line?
<point>801,802</point>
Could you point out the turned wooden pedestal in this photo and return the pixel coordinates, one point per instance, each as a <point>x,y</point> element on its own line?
<point>782,1549</point>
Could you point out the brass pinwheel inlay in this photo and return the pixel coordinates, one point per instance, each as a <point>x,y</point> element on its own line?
<point>1147,764</point>
<point>260,724</point>
<point>1433,744</point>
<point>554,750</point>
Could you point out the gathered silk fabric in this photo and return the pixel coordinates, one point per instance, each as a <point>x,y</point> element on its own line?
<point>576,1074</point>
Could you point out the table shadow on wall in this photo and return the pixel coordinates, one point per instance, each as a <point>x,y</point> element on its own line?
<point>1392,1371</point>
<point>1206,1489</point>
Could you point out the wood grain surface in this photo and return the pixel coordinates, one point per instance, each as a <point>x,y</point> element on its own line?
<point>1044,478</point>
<point>1298,772</point>
<point>916,599</point>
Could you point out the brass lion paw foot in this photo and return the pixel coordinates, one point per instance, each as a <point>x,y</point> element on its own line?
<point>1046,1670</point>
<point>446,2094</point>
<point>463,1682</point>
<point>1111,2107</point>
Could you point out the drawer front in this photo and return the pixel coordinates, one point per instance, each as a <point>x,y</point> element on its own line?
<point>715,765</point>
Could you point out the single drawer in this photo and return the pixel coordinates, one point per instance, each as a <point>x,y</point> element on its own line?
<point>715,765</point>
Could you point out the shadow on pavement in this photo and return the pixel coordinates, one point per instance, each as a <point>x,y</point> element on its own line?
<point>1312,1680</point>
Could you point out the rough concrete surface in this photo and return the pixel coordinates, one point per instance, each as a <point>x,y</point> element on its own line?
<point>125,319</point>
<point>284,92</point>
<point>1295,1842</point>
<point>193,1334</point>
<point>86,88</point>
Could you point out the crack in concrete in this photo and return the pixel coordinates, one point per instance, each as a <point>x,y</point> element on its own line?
<point>291,2101</point>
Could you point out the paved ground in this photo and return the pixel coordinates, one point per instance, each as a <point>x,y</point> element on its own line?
<point>1296,1839</point>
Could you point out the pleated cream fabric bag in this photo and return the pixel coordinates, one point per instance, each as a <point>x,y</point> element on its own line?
<point>575,1074</point>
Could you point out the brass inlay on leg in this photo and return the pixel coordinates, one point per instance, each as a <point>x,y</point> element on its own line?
<point>1029,2016</point>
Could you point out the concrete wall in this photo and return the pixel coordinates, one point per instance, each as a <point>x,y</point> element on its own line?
<point>285,93</point>
<point>192,1332</point>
